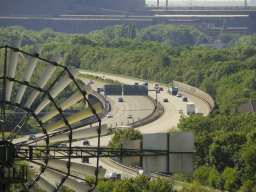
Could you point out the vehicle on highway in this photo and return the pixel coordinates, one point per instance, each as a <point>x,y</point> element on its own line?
<point>90,82</point>
<point>155,86</point>
<point>148,174</point>
<point>85,160</point>
<point>173,90</point>
<point>63,145</point>
<point>109,115</point>
<point>160,88</point>
<point>180,111</point>
<point>184,99</point>
<point>120,99</point>
<point>165,100</point>
<point>31,137</point>
<point>31,167</point>
<point>179,95</point>
<point>129,116</point>
<point>112,175</point>
<point>145,84</point>
<point>86,142</point>
<point>190,108</point>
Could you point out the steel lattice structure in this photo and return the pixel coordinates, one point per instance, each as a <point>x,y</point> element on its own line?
<point>43,96</point>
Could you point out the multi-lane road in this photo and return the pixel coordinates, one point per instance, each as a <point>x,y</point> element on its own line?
<point>139,107</point>
<point>170,118</point>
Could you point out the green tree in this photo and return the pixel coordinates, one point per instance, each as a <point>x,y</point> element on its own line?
<point>124,135</point>
<point>231,179</point>
<point>216,180</point>
<point>160,185</point>
<point>224,27</point>
<point>131,31</point>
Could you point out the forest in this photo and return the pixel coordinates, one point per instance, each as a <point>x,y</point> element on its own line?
<point>225,152</point>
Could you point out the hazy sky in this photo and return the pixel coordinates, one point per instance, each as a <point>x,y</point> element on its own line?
<point>201,2</point>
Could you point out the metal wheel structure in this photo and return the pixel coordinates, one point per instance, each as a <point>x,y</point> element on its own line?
<point>42,94</point>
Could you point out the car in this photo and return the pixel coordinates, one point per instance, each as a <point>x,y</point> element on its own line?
<point>129,116</point>
<point>180,111</point>
<point>109,115</point>
<point>86,142</point>
<point>63,145</point>
<point>165,100</point>
<point>90,82</point>
<point>185,99</point>
<point>155,86</point>
<point>31,167</point>
<point>145,84</point>
<point>80,181</point>
<point>157,91</point>
<point>112,175</point>
<point>179,95</point>
<point>160,89</point>
<point>85,160</point>
<point>120,99</point>
<point>31,137</point>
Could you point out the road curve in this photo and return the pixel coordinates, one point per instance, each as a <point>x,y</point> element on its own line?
<point>170,118</point>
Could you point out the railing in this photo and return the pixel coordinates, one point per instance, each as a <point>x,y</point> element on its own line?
<point>158,111</point>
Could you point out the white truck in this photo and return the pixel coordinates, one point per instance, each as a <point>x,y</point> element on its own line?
<point>148,174</point>
<point>190,108</point>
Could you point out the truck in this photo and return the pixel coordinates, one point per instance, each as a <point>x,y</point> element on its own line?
<point>148,174</point>
<point>173,90</point>
<point>190,108</point>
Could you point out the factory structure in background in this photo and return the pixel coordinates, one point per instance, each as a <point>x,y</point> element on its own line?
<point>84,16</point>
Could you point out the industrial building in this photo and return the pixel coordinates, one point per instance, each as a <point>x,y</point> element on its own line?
<point>83,16</point>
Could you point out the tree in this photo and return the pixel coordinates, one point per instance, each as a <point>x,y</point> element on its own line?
<point>224,27</point>
<point>124,135</point>
<point>231,179</point>
<point>160,185</point>
<point>131,31</point>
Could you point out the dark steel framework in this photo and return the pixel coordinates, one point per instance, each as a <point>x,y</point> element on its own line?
<point>30,113</point>
<point>43,152</point>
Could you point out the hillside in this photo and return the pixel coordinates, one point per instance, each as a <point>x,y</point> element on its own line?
<point>225,152</point>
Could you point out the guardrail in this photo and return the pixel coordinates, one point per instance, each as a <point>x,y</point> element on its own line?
<point>158,111</point>
<point>136,169</point>
<point>196,92</point>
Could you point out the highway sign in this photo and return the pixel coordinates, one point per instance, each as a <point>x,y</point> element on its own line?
<point>135,90</point>
<point>113,89</point>
<point>180,147</point>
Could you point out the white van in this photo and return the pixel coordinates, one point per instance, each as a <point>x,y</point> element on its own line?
<point>148,174</point>
<point>155,86</point>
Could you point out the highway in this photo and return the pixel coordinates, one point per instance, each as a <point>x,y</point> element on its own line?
<point>140,107</point>
<point>169,119</point>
